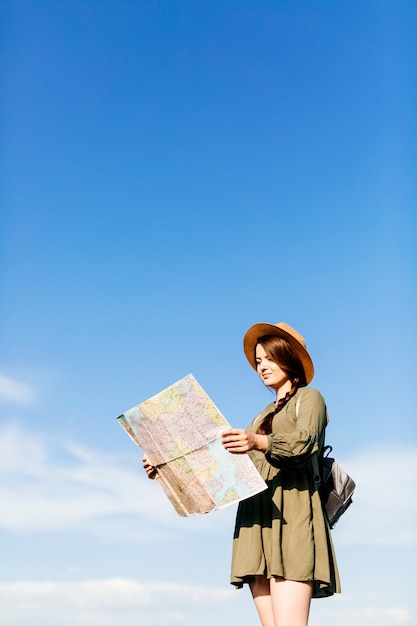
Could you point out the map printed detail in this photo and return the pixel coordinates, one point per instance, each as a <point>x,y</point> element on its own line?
<point>179,430</point>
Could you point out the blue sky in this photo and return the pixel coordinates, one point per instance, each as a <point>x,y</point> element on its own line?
<point>173,172</point>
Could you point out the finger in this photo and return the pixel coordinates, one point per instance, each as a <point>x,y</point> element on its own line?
<point>236,440</point>
<point>236,434</point>
<point>234,431</point>
<point>231,439</point>
<point>236,445</point>
<point>151,472</point>
<point>238,450</point>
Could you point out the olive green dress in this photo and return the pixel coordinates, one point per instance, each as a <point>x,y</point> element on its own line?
<point>282,532</point>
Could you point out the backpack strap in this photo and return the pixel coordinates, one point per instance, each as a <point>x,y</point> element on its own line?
<point>297,404</point>
<point>316,469</point>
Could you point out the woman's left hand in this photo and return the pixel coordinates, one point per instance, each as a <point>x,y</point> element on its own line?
<point>149,469</point>
<point>238,440</point>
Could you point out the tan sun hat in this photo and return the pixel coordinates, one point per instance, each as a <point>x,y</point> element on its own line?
<point>281,329</point>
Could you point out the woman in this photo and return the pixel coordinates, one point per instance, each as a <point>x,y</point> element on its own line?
<point>282,545</point>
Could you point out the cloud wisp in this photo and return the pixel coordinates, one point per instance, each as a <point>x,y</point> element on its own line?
<point>16,392</point>
<point>112,601</point>
<point>383,497</point>
<point>51,485</point>
<point>365,612</point>
<point>109,602</point>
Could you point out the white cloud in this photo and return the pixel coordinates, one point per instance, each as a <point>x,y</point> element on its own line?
<point>50,485</point>
<point>111,602</point>
<point>384,508</point>
<point>345,611</point>
<point>15,391</point>
<point>107,602</point>
<point>115,593</point>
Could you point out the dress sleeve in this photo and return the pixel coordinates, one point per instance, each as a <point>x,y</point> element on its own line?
<point>293,449</point>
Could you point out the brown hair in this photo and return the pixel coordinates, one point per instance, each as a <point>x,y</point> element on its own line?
<point>282,353</point>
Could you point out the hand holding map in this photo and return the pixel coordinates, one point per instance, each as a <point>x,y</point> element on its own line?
<point>179,430</point>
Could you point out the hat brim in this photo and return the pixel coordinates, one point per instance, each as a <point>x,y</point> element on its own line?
<point>257,331</point>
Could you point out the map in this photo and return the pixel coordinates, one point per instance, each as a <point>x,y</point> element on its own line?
<point>179,430</point>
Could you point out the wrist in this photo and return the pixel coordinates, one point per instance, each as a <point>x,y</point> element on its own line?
<point>262,443</point>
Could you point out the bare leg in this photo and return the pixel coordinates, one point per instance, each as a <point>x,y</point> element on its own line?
<point>290,602</point>
<point>261,594</point>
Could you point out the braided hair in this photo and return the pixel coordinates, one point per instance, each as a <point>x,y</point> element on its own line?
<point>281,352</point>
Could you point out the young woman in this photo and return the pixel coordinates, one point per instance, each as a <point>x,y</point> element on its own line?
<point>282,545</point>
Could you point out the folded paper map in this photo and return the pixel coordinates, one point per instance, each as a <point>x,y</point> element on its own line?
<point>179,430</point>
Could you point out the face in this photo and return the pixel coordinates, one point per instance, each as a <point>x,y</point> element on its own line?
<point>269,371</point>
